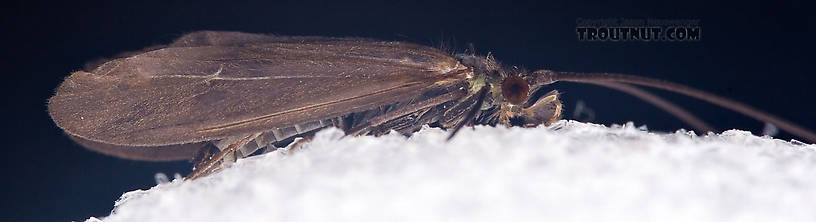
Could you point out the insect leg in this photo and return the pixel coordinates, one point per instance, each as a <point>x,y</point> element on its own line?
<point>405,110</point>
<point>298,143</point>
<point>407,124</point>
<point>211,164</point>
<point>471,114</point>
<point>204,154</point>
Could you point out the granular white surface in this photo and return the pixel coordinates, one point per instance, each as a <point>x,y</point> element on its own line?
<point>569,171</point>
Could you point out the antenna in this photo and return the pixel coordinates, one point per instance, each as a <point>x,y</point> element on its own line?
<point>544,77</point>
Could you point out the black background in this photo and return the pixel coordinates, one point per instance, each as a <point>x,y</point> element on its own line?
<point>756,52</point>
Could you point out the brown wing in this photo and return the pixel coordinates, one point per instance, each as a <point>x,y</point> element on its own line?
<point>210,85</point>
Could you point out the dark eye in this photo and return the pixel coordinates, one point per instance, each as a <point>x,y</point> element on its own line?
<point>515,89</point>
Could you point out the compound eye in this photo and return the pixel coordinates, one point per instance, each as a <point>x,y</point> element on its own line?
<point>515,89</point>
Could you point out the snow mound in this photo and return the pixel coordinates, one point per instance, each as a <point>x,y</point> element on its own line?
<point>570,171</point>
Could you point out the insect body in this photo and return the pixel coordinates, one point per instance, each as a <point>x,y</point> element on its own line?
<point>248,91</point>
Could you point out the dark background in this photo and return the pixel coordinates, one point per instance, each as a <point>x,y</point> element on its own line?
<point>756,52</point>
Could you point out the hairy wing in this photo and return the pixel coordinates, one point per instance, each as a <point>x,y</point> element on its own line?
<point>210,85</point>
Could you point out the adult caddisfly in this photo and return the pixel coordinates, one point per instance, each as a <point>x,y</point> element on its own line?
<point>243,92</point>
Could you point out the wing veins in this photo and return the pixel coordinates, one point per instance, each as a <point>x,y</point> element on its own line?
<point>264,117</point>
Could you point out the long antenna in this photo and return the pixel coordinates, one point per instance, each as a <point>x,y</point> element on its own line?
<point>548,77</point>
<point>661,103</point>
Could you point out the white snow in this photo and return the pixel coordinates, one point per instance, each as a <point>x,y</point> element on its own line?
<point>570,171</point>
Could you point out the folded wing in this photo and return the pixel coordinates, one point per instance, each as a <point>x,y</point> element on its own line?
<point>210,85</point>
